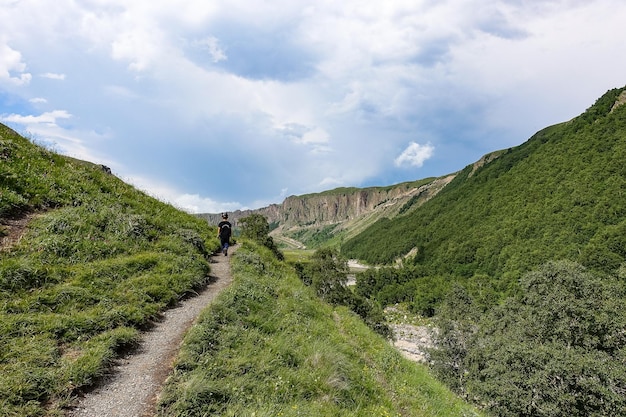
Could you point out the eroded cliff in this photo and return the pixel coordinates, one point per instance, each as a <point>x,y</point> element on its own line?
<point>345,208</point>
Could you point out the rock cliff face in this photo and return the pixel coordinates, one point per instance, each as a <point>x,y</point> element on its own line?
<point>342,205</point>
<point>337,207</point>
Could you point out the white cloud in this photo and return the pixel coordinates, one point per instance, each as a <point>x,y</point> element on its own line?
<point>343,88</point>
<point>192,203</point>
<point>137,47</point>
<point>212,44</point>
<point>53,76</point>
<point>317,136</point>
<point>48,118</point>
<point>12,69</point>
<point>330,182</point>
<point>415,155</point>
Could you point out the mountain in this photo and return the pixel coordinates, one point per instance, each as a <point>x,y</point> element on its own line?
<point>315,219</point>
<point>560,195</point>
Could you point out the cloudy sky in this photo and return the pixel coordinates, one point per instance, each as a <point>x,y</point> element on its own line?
<point>216,105</point>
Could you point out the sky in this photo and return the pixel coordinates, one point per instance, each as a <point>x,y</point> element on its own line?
<point>218,105</point>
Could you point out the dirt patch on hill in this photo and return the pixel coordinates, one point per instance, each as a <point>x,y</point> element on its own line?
<point>12,229</point>
<point>413,341</point>
<point>621,100</point>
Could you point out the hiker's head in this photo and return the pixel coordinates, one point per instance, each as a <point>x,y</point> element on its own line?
<point>224,215</point>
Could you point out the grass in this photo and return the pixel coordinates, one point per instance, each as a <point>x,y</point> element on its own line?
<point>96,265</point>
<point>297,255</point>
<point>269,347</point>
<point>69,303</point>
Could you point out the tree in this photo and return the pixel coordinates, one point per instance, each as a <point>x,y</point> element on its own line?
<point>327,274</point>
<point>256,228</point>
<point>557,349</point>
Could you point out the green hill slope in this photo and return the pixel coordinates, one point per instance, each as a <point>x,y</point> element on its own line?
<point>98,261</point>
<point>559,195</point>
<point>269,347</point>
<point>522,264</point>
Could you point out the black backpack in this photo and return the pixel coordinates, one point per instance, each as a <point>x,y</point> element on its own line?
<point>225,230</point>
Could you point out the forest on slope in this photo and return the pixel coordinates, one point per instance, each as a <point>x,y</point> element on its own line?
<point>557,196</point>
<point>522,265</point>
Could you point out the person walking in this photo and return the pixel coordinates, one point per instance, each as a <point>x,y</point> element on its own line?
<point>223,233</point>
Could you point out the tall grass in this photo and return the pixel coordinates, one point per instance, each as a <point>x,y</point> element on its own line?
<point>269,347</point>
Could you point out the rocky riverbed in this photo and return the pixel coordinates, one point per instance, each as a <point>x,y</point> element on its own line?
<point>412,335</point>
<point>412,341</point>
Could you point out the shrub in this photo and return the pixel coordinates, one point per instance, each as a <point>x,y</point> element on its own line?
<point>327,274</point>
<point>256,228</point>
<point>555,350</point>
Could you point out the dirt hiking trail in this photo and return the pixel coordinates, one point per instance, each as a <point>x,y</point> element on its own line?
<point>134,383</point>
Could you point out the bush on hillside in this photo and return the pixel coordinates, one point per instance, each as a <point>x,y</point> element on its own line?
<point>256,228</point>
<point>327,273</point>
<point>558,349</point>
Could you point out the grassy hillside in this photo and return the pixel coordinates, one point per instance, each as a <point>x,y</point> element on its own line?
<point>353,190</point>
<point>97,262</point>
<point>560,195</point>
<point>269,347</point>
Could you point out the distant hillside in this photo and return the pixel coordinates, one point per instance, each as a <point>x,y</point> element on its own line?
<point>321,218</point>
<point>560,195</point>
<point>521,263</point>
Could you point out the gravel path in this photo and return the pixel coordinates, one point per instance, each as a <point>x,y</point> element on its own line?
<point>136,380</point>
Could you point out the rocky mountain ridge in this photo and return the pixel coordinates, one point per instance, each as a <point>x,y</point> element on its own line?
<point>346,211</point>
<point>343,208</point>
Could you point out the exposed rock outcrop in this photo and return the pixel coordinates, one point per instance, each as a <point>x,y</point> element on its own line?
<point>620,101</point>
<point>342,205</point>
